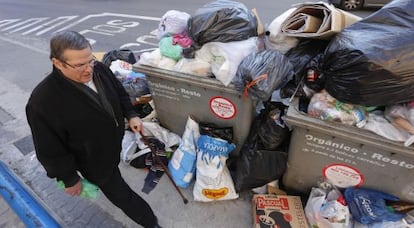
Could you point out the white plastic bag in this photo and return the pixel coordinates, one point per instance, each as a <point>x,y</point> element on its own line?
<point>150,58</point>
<point>213,180</point>
<point>166,63</point>
<point>322,105</point>
<point>378,124</point>
<point>172,22</point>
<point>129,147</point>
<point>164,135</point>
<point>193,66</point>
<point>226,57</point>
<point>402,116</point>
<point>275,39</point>
<point>121,68</point>
<point>324,212</point>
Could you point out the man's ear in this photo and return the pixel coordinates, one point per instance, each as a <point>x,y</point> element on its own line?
<point>58,64</point>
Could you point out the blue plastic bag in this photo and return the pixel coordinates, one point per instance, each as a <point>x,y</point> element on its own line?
<point>182,165</point>
<point>368,206</point>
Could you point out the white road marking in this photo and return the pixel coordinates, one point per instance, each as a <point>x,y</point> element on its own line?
<point>24,45</point>
<point>113,27</point>
<point>109,14</point>
<point>61,19</point>
<point>9,21</point>
<point>26,23</point>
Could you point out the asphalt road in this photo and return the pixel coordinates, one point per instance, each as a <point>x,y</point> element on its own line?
<point>26,26</point>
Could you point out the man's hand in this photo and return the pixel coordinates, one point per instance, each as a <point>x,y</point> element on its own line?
<point>75,190</point>
<point>135,124</point>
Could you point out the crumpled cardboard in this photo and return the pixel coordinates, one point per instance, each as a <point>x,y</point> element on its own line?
<point>319,20</point>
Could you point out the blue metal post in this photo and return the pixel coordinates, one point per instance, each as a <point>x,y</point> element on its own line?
<point>26,206</point>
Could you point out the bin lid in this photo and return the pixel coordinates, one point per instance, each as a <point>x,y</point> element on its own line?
<point>204,82</point>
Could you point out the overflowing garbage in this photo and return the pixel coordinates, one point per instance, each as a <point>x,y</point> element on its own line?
<point>332,103</point>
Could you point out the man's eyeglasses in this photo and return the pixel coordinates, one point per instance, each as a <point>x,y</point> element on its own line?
<point>81,67</point>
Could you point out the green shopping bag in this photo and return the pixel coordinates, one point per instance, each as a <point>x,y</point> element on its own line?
<point>89,190</point>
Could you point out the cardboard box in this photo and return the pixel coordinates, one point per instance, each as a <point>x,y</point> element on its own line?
<point>278,211</point>
<point>99,55</point>
<point>271,189</point>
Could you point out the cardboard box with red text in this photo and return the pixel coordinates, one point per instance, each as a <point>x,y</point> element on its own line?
<point>278,211</point>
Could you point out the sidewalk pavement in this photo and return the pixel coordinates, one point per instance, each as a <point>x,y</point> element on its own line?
<point>16,150</point>
<point>7,216</point>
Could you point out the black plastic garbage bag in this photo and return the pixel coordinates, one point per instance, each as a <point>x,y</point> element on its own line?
<point>221,21</point>
<point>213,130</point>
<point>261,73</point>
<point>257,166</point>
<point>273,131</point>
<point>143,109</point>
<point>305,58</point>
<point>122,54</point>
<point>313,79</point>
<point>302,54</point>
<point>370,63</point>
<point>135,87</point>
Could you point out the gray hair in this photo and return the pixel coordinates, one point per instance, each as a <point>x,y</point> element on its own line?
<point>64,40</point>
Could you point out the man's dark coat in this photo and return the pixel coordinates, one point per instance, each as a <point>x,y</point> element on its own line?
<point>73,132</point>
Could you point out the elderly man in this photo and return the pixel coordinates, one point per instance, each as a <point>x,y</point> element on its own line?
<point>76,115</point>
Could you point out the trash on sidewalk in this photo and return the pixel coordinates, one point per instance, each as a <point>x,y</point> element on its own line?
<point>343,123</point>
